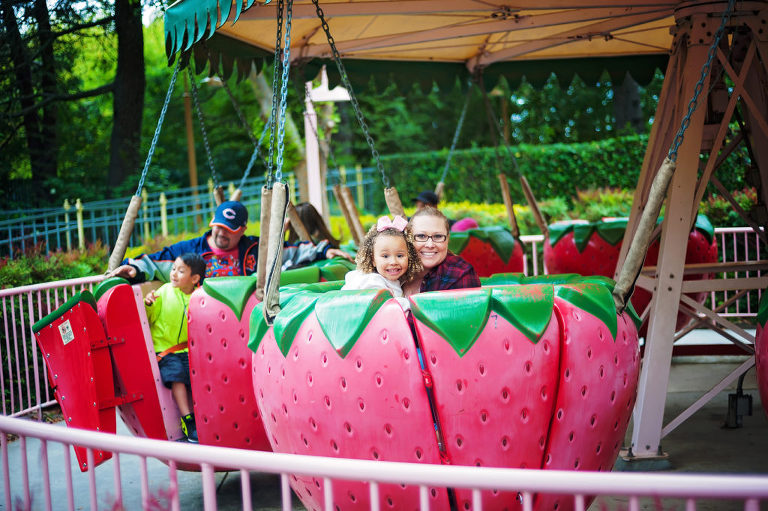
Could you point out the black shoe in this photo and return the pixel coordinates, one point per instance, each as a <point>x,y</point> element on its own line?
<point>189,428</point>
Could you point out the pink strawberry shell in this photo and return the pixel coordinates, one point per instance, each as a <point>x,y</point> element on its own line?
<point>220,364</point>
<point>761,350</point>
<point>584,248</point>
<point>489,250</point>
<point>501,367</point>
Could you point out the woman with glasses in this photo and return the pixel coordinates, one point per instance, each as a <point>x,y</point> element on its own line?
<point>442,269</point>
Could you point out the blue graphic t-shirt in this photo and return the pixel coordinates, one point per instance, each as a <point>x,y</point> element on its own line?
<point>222,263</point>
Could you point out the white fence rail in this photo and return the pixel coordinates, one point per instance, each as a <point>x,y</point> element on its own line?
<point>17,482</point>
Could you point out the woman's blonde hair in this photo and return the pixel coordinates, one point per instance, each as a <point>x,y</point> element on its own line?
<point>364,258</point>
<point>430,211</point>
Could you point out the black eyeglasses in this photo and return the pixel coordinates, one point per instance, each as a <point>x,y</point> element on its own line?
<point>437,238</point>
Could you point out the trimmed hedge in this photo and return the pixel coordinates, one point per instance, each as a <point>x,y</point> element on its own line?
<point>556,170</point>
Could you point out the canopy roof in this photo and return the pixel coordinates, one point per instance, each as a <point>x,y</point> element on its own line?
<point>454,36</point>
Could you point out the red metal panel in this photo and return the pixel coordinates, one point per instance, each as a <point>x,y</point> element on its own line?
<point>220,367</point>
<point>371,404</point>
<point>66,345</point>
<point>132,362</point>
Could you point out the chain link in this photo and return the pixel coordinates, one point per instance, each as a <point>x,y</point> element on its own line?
<point>353,99</point>
<point>284,92</point>
<point>201,119</point>
<point>275,74</point>
<point>159,127</point>
<point>255,154</point>
<point>457,133</point>
<point>700,84</point>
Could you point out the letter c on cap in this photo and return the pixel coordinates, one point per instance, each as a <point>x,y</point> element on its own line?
<point>228,213</point>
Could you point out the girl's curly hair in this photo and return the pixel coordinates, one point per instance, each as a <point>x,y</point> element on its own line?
<point>364,258</point>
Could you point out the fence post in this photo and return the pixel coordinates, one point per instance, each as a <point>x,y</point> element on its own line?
<point>144,198</point>
<point>292,187</point>
<point>67,207</point>
<point>80,230</point>
<point>360,191</point>
<point>164,214</point>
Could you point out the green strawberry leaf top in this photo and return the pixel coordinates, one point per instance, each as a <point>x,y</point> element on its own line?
<point>231,291</point>
<point>612,231</point>
<point>344,315</point>
<point>460,326</point>
<point>762,310</point>
<point>527,307</point>
<point>705,227</point>
<point>332,272</point>
<point>290,319</point>
<point>594,298</point>
<point>502,279</point>
<point>499,237</point>
<point>107,284</point>
<point>257,327</point>
<point>300,275</point>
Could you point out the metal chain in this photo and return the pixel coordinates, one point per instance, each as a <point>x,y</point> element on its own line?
<point>201,119</point>
<point>256,143</point>
<point>491,120</point>
<point>275,74</point>
<point>159,127</point>
<point>284,92</point>
<point>457,133</point>
<point>700,84</point>
<point>255,154</point>
<point>353,99</point>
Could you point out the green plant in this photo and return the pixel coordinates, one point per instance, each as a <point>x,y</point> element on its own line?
<point>720,212</point>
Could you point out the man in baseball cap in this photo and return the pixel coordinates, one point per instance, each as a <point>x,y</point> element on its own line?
<point>226,249</point>
<point>426,198</point>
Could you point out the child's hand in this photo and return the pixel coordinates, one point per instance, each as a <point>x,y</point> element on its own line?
<point>150,298</point>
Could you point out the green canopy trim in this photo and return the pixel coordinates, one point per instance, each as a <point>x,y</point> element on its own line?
<point>186,21</point>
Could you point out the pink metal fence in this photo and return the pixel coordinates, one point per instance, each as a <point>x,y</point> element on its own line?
<point>22,373</point>
<point>634,487</point>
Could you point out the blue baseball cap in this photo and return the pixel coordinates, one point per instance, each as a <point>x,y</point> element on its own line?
<point>231,215</point>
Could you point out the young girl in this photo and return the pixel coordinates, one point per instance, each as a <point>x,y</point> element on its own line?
<point>386,259</point>
<point>167,315</point>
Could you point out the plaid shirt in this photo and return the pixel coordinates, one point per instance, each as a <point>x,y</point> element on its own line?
<point>453,273</point>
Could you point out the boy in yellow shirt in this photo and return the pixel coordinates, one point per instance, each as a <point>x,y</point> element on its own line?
<point>167,314</point>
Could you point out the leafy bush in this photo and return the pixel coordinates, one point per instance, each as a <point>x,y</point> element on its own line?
<point>34,266</point>
<point>721,213</point>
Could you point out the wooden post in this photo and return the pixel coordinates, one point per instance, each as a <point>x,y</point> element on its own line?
<point>163,214</point>
<point>124,236</point>
<point>297,224</point>
<point>231,189</point>
<point>344,211</point>
<point>439,190</point>
<point>509,205</point>
<point>393,202</point>
<point>537,215</point>
<point>349,200</point>
<point>145,208</point>
<point>80,229</point>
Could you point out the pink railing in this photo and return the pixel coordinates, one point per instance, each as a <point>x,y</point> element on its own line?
<point>634,487</point>
<point>22,375</point>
